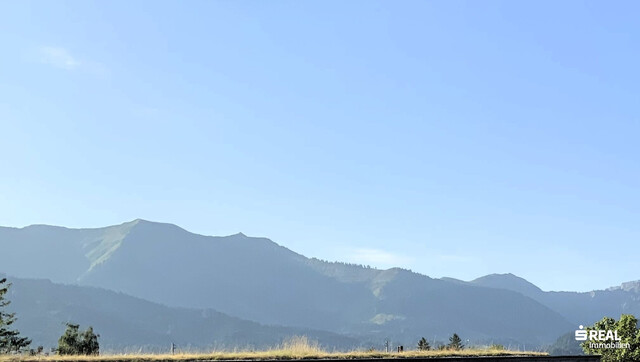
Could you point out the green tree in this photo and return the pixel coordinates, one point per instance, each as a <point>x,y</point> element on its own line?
<point>89,342</point>
<point>68,342</point>
<point>629,334</point>
<point>10,340</point>
<point>74,342</point>
<point>423,345</point>
<point>455,342</point>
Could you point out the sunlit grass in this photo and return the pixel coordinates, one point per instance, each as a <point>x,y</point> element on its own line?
<point>295,348</point>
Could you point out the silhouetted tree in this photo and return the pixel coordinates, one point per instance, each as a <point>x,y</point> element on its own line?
<point>455,342</point>
<point>423,345</point>
<point>10,340</point>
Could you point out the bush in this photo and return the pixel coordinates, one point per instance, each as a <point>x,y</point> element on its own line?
<point>73,342</point>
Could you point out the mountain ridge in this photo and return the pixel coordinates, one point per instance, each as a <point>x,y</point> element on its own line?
<point>631,285</point>
<point>133,223</point>
<point>259,280</point>
<point>581,308</point>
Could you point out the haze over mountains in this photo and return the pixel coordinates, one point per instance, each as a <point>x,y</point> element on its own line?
<point>578,308</point>
<point>182,275</point>
<point>127,323</point>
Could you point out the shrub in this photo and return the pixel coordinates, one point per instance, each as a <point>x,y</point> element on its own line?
<point>73,342</point>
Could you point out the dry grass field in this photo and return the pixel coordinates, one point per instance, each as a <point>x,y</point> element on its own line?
<point>298,348</point>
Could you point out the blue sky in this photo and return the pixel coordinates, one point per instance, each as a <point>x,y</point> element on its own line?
<point>452,138</point>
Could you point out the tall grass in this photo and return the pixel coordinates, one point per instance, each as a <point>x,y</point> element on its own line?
<point>301,345</point>
<point>294,348</point>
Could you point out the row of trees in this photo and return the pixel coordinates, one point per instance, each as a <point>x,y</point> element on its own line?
<point>72,342</point>
<point>455,343</point>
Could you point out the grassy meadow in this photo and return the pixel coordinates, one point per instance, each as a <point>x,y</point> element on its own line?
<point>297,348</point>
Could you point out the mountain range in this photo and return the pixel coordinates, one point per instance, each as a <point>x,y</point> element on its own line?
<point>262,292</point>
<point>129,324</point>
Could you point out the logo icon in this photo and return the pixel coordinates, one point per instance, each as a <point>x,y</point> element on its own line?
<point>581,334</point>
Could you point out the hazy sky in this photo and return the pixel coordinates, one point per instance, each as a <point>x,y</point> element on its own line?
<point>452,138</point>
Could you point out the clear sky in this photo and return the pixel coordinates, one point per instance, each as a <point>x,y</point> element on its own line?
<point>452,138</point>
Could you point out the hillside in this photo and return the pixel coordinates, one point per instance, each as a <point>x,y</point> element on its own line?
<point>128,323</point>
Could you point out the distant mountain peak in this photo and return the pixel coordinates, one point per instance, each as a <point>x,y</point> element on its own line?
<point>501,276</point>
<point>508,281</point>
